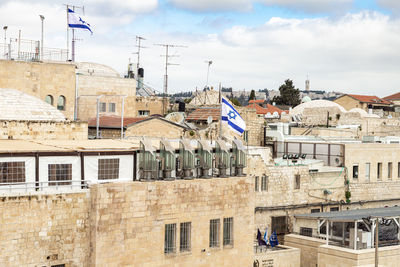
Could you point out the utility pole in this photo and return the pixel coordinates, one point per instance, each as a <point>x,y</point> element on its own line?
<point>167,56</point>
<point>209,62</point>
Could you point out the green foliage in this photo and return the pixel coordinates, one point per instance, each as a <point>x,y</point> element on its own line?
<point>191,133</point>
<point>289,95</point>
<point>235,102</point>
<point>187,100</point>
<point>337,116</point>
<point>252,95</point>
<point>348,196</point>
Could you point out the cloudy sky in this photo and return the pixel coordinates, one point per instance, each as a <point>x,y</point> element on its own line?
<point>352,46</point>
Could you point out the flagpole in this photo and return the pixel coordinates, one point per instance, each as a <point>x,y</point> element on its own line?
<point>220,110</point>
<point>67,34</point>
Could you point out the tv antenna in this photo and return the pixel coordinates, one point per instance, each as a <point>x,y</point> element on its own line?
<point>167,63</point>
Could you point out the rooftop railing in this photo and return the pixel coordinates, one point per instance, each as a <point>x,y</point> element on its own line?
<point>29,187</point>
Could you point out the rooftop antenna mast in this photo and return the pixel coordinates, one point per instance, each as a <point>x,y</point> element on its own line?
<point>139,40</point>
<point>167,63</point>
<point>209,62</point>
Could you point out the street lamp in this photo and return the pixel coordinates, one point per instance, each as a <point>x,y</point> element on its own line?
<point>41,48</point>
<point>5,39</point>
<point>209,62</point>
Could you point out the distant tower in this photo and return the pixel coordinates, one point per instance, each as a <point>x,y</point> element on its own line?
<point>307,84</point>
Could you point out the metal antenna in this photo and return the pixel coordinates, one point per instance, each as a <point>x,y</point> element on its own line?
<point>209,62</point>
<point>139,46</point>
<point>167,56</point>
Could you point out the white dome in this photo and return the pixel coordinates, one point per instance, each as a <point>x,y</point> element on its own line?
<point>16,105</point>
<point>306,99</point>
<point>95,69</point>
<point>363,113</point>
<point>315,104</point>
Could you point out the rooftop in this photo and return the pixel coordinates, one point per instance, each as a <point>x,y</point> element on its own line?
<point>395,96</point>
<point>202,114</point>
<point>114,121</point>
<point>370,99</point>
<point>353,215</point>
<point>16,105</point>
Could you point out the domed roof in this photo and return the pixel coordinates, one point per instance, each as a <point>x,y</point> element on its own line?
<point>95,69</point>
<point>16,105</point>
<point>306,99</point>
<point>363,113</point>
<point>315,104</point>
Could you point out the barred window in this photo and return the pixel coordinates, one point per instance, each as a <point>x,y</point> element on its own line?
<point>102,107</point>
<point>305,231</point>
<point>170,237</point>
<point>214,233</point>
<point>264,183</point>
<point>60,172</point>
<point>228,231</point>
<point>256,184</point>
<point>108,169</point>
<point>12,172</point>
<point>111,107</point>
<point>185,236</point>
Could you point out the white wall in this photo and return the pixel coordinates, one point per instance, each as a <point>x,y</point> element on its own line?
<point>125,168</point>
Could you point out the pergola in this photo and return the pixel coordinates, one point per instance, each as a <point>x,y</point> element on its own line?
<point>371,218</point>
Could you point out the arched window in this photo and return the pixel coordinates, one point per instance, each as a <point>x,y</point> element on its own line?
<point>49,99</point>
<point>61,102</point>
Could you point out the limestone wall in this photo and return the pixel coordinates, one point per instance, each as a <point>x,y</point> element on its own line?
<point>156,128</point>
<point>153,104</point>
<point>44,230</point>
<point>43,130</point>
<point>254,126</point>
<point>286,257</point>
<point>129,222</point>
<point>308,249</point>
<point>41,79</point>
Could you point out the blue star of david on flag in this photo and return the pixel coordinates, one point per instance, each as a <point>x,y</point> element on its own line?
<point>230,116</point>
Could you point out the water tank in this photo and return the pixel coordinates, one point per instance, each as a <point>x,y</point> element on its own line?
<point>182,107</point>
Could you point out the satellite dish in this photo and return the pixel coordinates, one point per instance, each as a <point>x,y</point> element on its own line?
<point>177,117</point>
<point>209,120</point>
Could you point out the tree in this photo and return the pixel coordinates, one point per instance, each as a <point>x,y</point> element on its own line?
<point>252,95</point>
<point>235,101</point>
<point>288,94</point>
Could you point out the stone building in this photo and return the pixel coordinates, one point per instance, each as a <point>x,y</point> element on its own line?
<point>23,116</point>
<point>51,82</point>
<point>151,126</point>
<point>371,104</point>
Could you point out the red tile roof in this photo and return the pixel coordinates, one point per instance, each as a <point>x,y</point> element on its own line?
<point>201,114</point>
<point>370,99</point>
<point>113,121</point>
<point>270,108</point>
<point>256,101</point>
<point>395,96</point>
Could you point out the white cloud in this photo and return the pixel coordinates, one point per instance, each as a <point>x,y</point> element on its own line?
<point>213,5</point>
<point>308,6</point>
<point>312,6</point>
<point>392,5</point>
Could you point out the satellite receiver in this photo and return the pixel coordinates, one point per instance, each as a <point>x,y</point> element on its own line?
<point>209,120</point>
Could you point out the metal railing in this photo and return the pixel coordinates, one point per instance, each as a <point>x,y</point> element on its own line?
<point>26,187</point>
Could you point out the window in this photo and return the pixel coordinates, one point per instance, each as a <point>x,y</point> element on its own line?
<point>49,99</point>
<point>12,172</point>
<point>111,107</point>
<point>315,210</point>
<point>61,102</point>
<point>228,232</point>
<point>379,170</point>
<point>390,170</point>
<point>102,107</point>
<point>256,184</point>
<point>170,237</point>
<point>144,112</point>
<point>214,233</point>
<point>367,171</point>
<point>60,172</point>
<point>264,183</point>
<point>246,136</point>
<point>334,209</point>
<point>398,169</point>
<point>108,169</point>
<point>58,265</point>
<point>355,171</point>
<point>305,231</point>
<point>279,224</point>
<point>185,236</point>
<point>297,181</point>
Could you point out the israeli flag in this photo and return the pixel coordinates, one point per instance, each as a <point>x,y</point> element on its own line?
<point>75,21</point>
<point>266,235</point>
<point>230,116</point>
